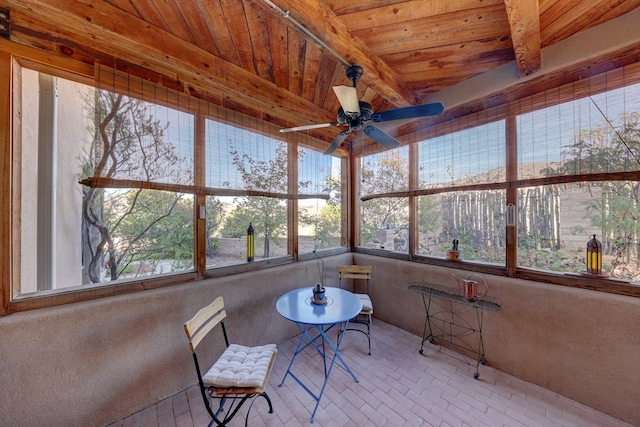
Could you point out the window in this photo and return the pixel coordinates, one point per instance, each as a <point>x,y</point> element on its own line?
<point>474,218</point>
<point>319,207</point>
<point>252,170</point>
<point>385,220</point>
<point>567,159</point>
<point>73,234</point>
<point>592,136</point>
<point>107,181</point>
<point>475,155</point>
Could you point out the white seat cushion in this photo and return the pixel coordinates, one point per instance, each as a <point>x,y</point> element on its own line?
<point>367,305</point>
<point>241,366</point>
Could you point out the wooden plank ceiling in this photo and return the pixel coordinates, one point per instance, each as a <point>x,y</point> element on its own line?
<point>253,56</point>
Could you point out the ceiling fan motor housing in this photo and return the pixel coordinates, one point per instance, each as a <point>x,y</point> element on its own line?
<point>355,122</point>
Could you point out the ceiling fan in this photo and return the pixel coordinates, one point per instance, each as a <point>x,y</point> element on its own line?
<point>356,114</point>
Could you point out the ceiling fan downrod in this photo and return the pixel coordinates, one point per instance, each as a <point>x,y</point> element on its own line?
<point>354,72</point>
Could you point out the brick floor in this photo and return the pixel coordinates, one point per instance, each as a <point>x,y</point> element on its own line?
<point>398,387</point>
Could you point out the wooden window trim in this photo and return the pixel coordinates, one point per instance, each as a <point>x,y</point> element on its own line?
<point>85,74</point>
<point>9,73</point>
<point>610,80</point>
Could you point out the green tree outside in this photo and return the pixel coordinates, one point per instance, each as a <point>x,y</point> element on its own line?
<point>611,147</point>
<point>388,174</point>
<point>268,215</point>
<point>124,229</point>
<point>327,223</point>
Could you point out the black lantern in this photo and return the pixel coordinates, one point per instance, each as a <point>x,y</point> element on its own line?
<point>594,256</point>
<point>250,243</point>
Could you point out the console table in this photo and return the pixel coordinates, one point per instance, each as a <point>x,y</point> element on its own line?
<point>447,320</point>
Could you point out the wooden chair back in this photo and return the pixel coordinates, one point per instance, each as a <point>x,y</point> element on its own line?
<point>354,272</point>
<point>197,329</point>
<point>358,272</point>
<point>204,321</point>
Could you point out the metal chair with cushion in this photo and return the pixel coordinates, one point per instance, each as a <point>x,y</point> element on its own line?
<point>359,272</point>
<point>239,374</point>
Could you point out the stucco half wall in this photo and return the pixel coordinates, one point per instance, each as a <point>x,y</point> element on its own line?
<point>93,363</point>
<point>582,344</point>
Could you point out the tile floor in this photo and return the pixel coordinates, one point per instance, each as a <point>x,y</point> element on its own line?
<point>398,387</point>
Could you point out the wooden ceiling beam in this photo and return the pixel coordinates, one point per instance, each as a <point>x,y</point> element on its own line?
<point>524,21</point>
<point>317,18</point>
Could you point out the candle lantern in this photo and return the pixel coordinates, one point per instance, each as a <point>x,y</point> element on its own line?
<point>250,243</point>
<point>594,256</point>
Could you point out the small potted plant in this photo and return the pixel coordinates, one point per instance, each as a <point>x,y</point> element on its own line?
<point>318,293</point>
<point>454,253</point>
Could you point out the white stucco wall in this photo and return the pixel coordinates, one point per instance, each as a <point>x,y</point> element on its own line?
<point>72,132</point>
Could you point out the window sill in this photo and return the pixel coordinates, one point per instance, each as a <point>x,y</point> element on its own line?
<point>608,285</point>
<point>70,295</point>
<point>99,290</point>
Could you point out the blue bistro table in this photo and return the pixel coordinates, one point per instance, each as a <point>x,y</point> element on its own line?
<point>340,307</point>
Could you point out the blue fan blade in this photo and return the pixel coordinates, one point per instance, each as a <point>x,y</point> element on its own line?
<point>424,110</point>
<point>337,141</point>
<point>381,137</point>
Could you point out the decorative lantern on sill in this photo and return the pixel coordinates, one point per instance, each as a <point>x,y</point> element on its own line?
<point>250,243</point>
<point>594,256</point>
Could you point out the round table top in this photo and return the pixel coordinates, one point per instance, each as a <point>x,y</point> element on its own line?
<point>297,306</point>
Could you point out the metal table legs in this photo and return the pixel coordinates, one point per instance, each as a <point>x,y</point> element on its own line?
<point>321,350</point>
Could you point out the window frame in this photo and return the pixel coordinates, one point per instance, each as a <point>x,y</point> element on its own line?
<point>10,299</point>
<point>509,112</point>
<point>69,69</point>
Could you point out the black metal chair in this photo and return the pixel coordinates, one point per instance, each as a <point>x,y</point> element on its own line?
<point>238,375</point>
<point>359,272</point>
